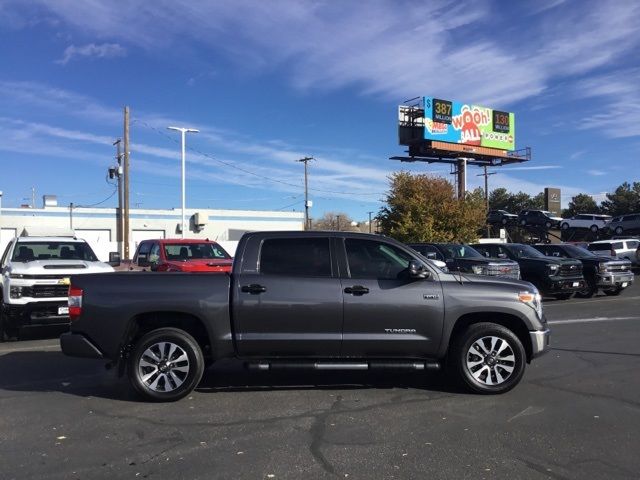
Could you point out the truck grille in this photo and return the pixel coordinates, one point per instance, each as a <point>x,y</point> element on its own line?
<point>570,270</point>
<point>620,267</point>
<point>502,270</point>
<point>45,291</point>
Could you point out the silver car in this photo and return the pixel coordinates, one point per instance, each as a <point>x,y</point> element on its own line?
<point>625,224</point>
<point>618,249</point>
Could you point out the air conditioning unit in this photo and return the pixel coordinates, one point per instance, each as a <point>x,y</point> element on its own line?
<point>200,220</point>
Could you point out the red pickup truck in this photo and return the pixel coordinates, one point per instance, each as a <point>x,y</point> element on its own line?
<point>179,255</point>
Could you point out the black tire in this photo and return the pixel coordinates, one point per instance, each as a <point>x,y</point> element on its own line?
<point>7,334</point>
<point>594,228</point>
<point>619,230</point>
<point>478,380</point>
<point>548,225</point>
<point>614,291</point>
<point>504,221</point>
<point>563,296</point>
<point>523,223</point>
<point>167,372</point>
<point>565,226</point>
<point>590,289</point>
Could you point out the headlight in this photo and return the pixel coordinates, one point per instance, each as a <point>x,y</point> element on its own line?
<point>602,267</point>
<point>534,300</point>
<point>15,292</point>
<point>553,268</point>
<point>478,269</point>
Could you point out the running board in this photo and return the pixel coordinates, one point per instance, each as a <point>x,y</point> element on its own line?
<point>327,365</point>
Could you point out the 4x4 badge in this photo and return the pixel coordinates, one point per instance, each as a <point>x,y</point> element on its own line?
<point>431,297</point>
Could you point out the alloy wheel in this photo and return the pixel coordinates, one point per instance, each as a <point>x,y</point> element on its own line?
<point>490,360</point>
<point>163,367</point>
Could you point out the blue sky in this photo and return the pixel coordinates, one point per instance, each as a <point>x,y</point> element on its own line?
<point>270,82</point>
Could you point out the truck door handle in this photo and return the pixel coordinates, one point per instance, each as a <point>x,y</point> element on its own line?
<point>253,289</point>
<point>356,290</point>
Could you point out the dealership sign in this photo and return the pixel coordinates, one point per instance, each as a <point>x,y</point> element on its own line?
<point>461,123</point>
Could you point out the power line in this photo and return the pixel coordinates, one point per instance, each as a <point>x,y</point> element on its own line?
<point>249,172</point>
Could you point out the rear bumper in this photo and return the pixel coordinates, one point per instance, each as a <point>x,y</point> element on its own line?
<point>35,314</point>
<point>77,345</point>
<point>539,342</point>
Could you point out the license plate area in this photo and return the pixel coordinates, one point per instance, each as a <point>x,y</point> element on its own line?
<point>63,310</point>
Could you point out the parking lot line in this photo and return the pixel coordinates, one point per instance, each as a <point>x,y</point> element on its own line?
<point>590,320</point>
<point>593,300</point>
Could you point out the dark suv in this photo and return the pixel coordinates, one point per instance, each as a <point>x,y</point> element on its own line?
<point>538,218</point>
<point>463,258</point>
<point>558,277</point>
<point>501,217</point>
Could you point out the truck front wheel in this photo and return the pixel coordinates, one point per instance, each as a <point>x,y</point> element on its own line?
<point>488,358</point>
<point>165,365</point>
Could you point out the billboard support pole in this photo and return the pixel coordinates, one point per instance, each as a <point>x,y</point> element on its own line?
<point>462,178</point>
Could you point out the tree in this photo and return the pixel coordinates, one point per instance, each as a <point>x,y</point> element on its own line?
<point>501,199</point>
<point>581,203</point>
<point>335,221</point>
<point>625,199</point>
<point>422,208</point>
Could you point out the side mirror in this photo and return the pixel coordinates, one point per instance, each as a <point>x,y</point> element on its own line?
<point>502,255</point>
<point>418,270</point>
<point>114,259</point>
<point>143,261</point>
<point>431,256</point>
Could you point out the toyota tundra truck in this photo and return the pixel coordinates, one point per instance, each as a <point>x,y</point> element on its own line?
<point>317,300</point>
<point>35,280</point>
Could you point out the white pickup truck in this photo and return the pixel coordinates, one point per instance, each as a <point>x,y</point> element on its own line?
<point>35,280</point>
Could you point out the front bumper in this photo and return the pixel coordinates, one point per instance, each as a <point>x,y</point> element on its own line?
<point>566,285</point>
<point>539,342</point>
<point>77,345</point>
<point>35,314</point>
<point>614,279</point>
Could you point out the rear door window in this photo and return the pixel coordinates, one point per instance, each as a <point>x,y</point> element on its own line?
<point>598,247</point>
<point>296,257</point>
<point>375,260</point>
<point>633,244</point>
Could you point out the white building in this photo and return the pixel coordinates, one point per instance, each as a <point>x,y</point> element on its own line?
<point>99,226</point>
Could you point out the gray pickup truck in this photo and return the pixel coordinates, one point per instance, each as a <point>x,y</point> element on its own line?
<point>319,300</point>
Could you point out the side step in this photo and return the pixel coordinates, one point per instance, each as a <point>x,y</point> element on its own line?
<point>264,365</point>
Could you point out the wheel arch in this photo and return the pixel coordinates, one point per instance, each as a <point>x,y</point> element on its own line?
<point>509,321</point>
<point>142,323</point>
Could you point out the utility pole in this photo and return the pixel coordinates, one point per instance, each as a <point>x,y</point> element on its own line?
<point>71,216</point>
<point>369,221</point>
<point>338,219</point>
<point>126,185</point>
<point>307,203</point>
<point>119,216</point>
<point>486,193</point>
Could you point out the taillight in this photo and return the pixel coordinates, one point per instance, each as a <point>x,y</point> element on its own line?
<point>75,303</point>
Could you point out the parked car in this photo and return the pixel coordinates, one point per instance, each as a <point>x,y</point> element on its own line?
<point>463,258</point>
<point>318,300</point>
<point>593,222</point>
<point>180,255</point>
<point>501,217</point>
<point>620,249</point>
<point>35,280</point>
<point>558,277</point>
<point>612,276</point>
<point>625,224</point>
<point>538,218</point>
<point>638,255</point>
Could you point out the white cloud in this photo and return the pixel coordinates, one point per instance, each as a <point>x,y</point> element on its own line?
<point>389,48</point>
<point>91,50</point>
<point>596,173</point>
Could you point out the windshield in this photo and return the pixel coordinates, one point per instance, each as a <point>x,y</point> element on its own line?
<point>28,251</point>
<point>460,251</point>
<point>520,250</point>
<point>195,251</point>
<point>576,251</point>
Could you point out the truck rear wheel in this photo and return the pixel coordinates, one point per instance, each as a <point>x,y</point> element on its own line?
<point>488,358</point>
<point>165,365</point>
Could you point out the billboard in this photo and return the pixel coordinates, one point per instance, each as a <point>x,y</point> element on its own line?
<point>462,123</point>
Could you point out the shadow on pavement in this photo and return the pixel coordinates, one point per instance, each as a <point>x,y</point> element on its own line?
<point>47,371</point>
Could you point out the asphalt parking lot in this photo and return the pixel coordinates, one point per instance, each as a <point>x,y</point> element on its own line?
<point>575,415</point>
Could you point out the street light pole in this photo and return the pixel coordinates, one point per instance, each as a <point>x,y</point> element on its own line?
<point>183,132</point>
<point>369,221</point>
